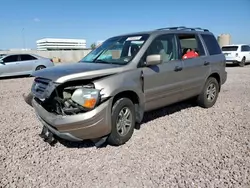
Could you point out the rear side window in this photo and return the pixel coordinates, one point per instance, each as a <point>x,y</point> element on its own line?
<point>190,42</point>
<point>27,57</point>
<point>212,44</point>
<point>229,48</point>
<point>245,48</point>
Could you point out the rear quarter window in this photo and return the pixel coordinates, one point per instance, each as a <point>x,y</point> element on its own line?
<point>27,57</point>
<point>211,44</point>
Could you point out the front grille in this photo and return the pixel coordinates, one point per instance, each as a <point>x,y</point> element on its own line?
<point>39,87</point>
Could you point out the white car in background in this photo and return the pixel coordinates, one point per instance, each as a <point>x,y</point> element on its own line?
<point>22,64</point>
<point>237,54</point>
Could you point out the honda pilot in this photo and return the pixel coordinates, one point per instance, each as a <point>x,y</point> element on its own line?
<point>104,95</point>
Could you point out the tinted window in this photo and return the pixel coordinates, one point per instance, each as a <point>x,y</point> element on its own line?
<point>212,44</point>
<point>245,48</point>
<point>27,57</point>
<point>11,58</point>
<point>164,45</point>
<point>190,42</point>
<point>229,48</point>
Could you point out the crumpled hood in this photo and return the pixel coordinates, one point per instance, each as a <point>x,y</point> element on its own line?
<point>74,71</point>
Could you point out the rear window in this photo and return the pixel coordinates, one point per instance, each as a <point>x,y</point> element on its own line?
<point>229,48</point>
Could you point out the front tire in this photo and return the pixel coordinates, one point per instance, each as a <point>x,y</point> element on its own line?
<point>209,94</point>
<point>123,122</point>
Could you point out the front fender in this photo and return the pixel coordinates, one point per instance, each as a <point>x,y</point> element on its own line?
<point>129,80</point>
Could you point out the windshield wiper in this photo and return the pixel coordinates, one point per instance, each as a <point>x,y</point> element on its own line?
<point>102,61</point>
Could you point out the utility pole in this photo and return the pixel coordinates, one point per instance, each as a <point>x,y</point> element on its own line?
<point>23,36</point>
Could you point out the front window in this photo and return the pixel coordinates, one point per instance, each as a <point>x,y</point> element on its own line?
<point>9,59</point>
<point>117,50</point>
<point>229,48</point>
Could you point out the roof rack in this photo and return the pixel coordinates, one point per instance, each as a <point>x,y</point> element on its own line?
<point>172,28</point>
<point>183,28</point>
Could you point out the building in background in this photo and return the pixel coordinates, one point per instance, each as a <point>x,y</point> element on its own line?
<point>17,49</point>
<point>224,39</point>
<point>48,44</point>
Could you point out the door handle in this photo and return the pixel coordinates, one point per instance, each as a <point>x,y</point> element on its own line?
<point>206,63</point>
<point>177,68</point>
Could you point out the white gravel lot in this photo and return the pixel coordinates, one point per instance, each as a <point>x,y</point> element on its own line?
<point>179,146</point>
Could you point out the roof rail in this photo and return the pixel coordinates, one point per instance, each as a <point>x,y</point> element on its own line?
<point>183,28</point>
<point>195,29</point>
<point>172,28</point>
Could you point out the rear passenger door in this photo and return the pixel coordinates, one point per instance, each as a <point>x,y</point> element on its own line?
<point>162,83</point>
<point>27,62</point>
<point>245,51</point>
<point>248,54</point>
<point>196,69</point>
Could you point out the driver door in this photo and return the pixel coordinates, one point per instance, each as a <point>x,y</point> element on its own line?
<point>9,65</point>
<point>162,82</point>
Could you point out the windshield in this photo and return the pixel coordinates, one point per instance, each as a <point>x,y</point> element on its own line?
<point>229,48</point>
<point>117,50</point>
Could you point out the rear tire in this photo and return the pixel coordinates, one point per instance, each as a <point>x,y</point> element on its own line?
<point>209,94</point>
<point>122,122</point>
<point>243,62</point>
<point>40,67</point>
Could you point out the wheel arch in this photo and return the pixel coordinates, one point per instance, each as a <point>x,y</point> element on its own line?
<point>216,75</point>
<point>40,66</point>
<point>134,97</point>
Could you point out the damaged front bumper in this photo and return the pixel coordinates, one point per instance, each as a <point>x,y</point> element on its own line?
<point>89,125</point>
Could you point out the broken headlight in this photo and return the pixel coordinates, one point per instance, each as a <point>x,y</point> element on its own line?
<point>86,97</point>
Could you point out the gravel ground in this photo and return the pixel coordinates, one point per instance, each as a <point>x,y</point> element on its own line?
<point>179,146</point>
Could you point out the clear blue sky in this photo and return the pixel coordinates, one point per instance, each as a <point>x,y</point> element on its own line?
<point>99,19</point>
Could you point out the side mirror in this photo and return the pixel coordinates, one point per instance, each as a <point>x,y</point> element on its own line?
<point>1,62</point>
<point>154,59</point>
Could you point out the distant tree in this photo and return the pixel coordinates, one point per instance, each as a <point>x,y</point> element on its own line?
<point>93,46</point>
